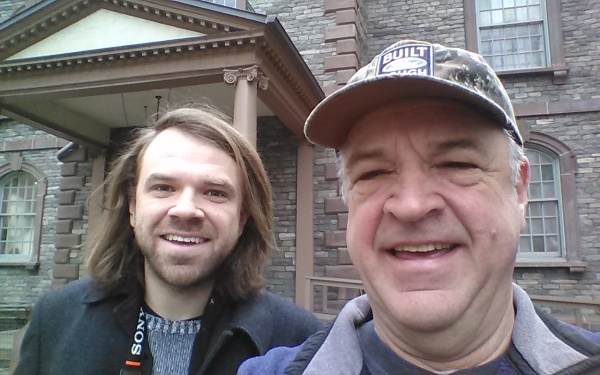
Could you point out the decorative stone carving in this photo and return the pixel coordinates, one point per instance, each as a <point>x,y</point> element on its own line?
<point>231,76</point>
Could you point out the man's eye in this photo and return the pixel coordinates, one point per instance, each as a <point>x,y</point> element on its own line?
<point>459,165</point>
<point>215,193</point>
<point>371,175</point>
<point>162,188</point>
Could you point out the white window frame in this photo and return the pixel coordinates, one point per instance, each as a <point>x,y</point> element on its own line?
<point>545,35</point>
<point>16,211</point>
<point>30,261</point>
<point>561,253</point>
<point>557,65</point>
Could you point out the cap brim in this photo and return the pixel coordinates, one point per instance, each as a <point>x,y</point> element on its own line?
<point>329,123</point>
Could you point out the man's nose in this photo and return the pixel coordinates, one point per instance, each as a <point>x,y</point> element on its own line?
<point>414,196</point>
<point>186,206</point>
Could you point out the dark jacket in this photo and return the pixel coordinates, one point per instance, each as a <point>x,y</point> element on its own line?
<point>540,345</point>
<point>80,330</point>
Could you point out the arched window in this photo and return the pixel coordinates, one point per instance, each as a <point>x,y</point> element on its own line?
<point>551,238</point>
<point>22,192</point>
<point>18,196</point>
<point>544,235</point>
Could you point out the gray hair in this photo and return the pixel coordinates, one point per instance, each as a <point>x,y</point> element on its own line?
<point>516,157</point>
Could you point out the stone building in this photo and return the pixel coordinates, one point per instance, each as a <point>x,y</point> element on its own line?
<point>74,78</point>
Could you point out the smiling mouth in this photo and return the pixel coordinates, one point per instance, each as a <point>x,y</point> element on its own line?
<point>187,240</point>
<point>423,248</point>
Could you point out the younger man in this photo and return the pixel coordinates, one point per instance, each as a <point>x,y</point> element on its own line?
<point>175,270</point>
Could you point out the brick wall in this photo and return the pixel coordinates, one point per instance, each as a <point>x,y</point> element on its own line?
<point>277,147</point>
<point>18,284</point>
<point>306,23</point>
<point>580,132</point>
<point>72,215</point>
<point>435,21</point>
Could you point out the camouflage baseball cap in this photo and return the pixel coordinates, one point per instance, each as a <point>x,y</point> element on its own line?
<point>411,69</point>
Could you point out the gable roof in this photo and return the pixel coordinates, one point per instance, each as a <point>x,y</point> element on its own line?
<point>79,68</point>
<point>104,29</point>
<point>49,17</point>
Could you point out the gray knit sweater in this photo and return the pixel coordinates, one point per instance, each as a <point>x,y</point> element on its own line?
<point>171,344</point>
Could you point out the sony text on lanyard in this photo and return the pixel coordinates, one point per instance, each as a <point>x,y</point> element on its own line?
<point>133,361</point>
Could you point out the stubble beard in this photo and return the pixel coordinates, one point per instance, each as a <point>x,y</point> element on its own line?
<point>184,272</point>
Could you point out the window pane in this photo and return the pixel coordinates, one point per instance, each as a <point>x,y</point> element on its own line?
<point>484,4</point>
<point>535,190</point>
<point>510,62</point>
<point>486,48</point>
<point>533,156</point>
<point>485,18</point>
<point>510,32</point>
<point>535,173</point>
<point>527,228</point>
<point>549,189</point>
<point>538,244</point>
<point>535,209</point>
<point>521,14</point>
<point>509,3</point>
<point>509,15</point>
<point>547,172</point>
<point>535,13</point>
<point>498,48</point>
<point>30,193</point>
<point>511,46</point>
<point>552,245</point>
<point>537,226</point>
<point>551,225</point>
<point>496,4</point>
<point>550,209</point>
<point>536,43</point>
<point>497,16</point>
<point>535,29</point>
<point>537,59</point>
<point>497,62</point>
<point>523,31</point>
<point>524,245</point>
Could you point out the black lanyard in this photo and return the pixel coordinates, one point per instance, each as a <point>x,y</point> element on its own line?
<point>133,359</point>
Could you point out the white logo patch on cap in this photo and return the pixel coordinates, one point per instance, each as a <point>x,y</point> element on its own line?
<point>407,59</point>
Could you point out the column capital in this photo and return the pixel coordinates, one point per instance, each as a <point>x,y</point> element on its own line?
<point>250,74</point>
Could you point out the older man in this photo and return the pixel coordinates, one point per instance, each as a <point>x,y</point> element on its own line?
<point>435,178</point>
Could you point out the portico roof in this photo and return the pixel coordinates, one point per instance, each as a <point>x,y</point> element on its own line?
<point>79,68</point>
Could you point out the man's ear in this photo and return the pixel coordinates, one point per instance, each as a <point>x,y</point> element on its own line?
<point>243,220</point>
<point>521,187</point>
<point>132,211</point>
